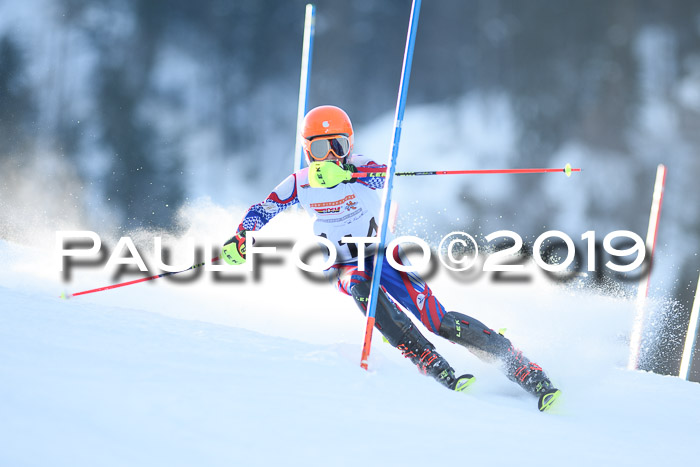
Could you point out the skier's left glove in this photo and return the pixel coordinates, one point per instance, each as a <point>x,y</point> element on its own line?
<point>327,174</point>
<point>233,251</point>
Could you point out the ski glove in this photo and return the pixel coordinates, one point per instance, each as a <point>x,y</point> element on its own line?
<point>326,174</point>
<point>234,249</point>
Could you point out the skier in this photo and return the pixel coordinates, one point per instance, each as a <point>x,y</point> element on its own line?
<point>343,206</point>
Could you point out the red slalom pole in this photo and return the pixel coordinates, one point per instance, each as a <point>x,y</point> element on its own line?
<point>124,284</point>
<point>643,290</point>
<point>567,170</point>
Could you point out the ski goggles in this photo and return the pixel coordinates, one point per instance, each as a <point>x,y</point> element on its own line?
<point>320,148</point>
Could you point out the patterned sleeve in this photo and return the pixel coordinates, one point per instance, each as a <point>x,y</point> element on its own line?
<point>365,164</point>
<point>282,197</point>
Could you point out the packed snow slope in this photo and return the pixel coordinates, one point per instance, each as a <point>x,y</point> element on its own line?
<point>244,372</point>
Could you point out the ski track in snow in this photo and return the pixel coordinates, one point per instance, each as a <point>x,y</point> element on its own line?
<point>267,373</point>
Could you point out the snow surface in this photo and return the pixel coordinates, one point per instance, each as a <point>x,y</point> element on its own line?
<point>267,372</point>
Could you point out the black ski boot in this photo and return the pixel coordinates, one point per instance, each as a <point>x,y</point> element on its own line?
<point>530,377</point>
<point>422,353</point>
<point>400,332</point>
<point>494,347</point>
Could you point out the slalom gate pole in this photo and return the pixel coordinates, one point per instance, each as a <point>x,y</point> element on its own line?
<point>144,279</point>
<point>567,170</point>
<point>391,168</point>
<point>643,290</point>
<point>306,54</point>
<point>693,327</point>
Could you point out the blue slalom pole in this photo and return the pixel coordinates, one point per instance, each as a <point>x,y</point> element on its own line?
<point>306,54</point>
<point>389,181</point>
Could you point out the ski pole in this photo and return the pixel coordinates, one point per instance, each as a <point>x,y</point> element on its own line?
<point>567,170</point>
<point>124,284</point>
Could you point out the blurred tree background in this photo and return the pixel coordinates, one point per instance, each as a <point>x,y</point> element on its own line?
<point>149,103</point>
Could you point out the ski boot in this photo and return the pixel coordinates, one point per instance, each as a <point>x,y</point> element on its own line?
<point>400,332</point>
<point>422,353</point>
<point>492,346</point>
<point>530,377</point>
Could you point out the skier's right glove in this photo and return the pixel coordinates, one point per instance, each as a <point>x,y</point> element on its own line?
<point>233,251</point>
<point>326,174</point>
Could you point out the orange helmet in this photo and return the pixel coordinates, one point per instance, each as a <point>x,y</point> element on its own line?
<point>324,122</point>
